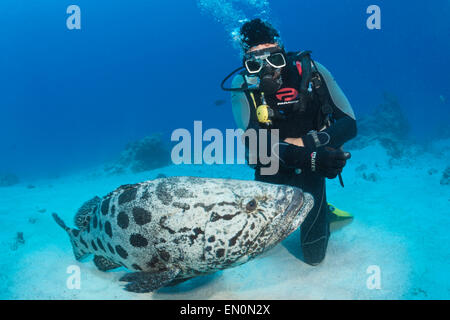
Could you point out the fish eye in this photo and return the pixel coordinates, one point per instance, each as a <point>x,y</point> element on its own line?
<point>251,205</point>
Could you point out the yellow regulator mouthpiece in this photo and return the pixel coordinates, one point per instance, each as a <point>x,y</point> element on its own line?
<point>262,113</point>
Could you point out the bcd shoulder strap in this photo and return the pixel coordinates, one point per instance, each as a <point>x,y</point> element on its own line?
<point>310,77</point>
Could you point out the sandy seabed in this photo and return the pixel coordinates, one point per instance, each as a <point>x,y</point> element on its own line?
<point>401,226</point>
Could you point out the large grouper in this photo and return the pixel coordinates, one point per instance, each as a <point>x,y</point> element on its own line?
<point>171,229</point>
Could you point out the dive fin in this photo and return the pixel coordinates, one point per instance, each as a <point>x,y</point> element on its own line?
<point>338,218</point>
<point>143,282</point>
<point>339,213</point>
<point>104,264</point>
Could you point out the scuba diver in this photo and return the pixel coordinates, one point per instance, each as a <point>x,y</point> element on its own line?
<point>298,96</point>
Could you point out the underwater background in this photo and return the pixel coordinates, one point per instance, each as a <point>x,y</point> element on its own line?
<point>72,100</point>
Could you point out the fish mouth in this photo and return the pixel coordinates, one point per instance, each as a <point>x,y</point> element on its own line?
<point>297,210</point>
<point>295,205</point>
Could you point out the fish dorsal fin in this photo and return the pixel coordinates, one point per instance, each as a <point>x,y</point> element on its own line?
<point>83,215</point>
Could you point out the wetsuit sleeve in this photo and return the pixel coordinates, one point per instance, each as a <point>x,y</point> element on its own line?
<point>344,126</point>
<point>342,130</point>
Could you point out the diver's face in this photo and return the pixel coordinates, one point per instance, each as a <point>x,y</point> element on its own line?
<point>266,61</point>
<point>267,56</point>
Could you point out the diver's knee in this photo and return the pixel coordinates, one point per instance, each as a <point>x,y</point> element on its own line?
<point>313,259</point>
<point>314,253</point>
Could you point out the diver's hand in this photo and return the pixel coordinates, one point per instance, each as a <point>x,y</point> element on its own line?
<point>329,162</point>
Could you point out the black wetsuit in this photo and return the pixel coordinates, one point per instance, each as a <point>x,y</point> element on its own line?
<point>315,229</point>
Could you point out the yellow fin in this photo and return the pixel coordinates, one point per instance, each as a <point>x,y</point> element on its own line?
<point>338,218</point>
<point>338,212</point>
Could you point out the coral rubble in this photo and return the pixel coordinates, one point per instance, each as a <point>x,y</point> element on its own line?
<point>445,180</point>
<point>146,154</point>
<point>386,124</point>
<point>7,180</point>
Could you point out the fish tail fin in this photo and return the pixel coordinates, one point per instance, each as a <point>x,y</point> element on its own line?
<point>60,222</point>
<point>80,249</point>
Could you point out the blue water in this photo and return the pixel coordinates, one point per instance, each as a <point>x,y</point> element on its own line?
<point>72,99</point>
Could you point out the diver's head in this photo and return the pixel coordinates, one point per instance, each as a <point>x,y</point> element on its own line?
<point>264,54</point>
<point>258,32</point>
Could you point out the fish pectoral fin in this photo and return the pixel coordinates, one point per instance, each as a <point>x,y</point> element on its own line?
<point>104,264</point>
<point>177,282</point>
<point>143,282</point>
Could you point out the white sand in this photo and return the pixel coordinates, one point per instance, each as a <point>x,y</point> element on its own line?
<point>401,225</point>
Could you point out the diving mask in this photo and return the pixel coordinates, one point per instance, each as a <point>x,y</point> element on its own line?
<point>264,70</point>
<point>256,62</point>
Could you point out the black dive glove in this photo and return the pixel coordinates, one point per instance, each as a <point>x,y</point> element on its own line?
<point>329,162</point>
<point>315,156</point>
<point>326,161</point>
